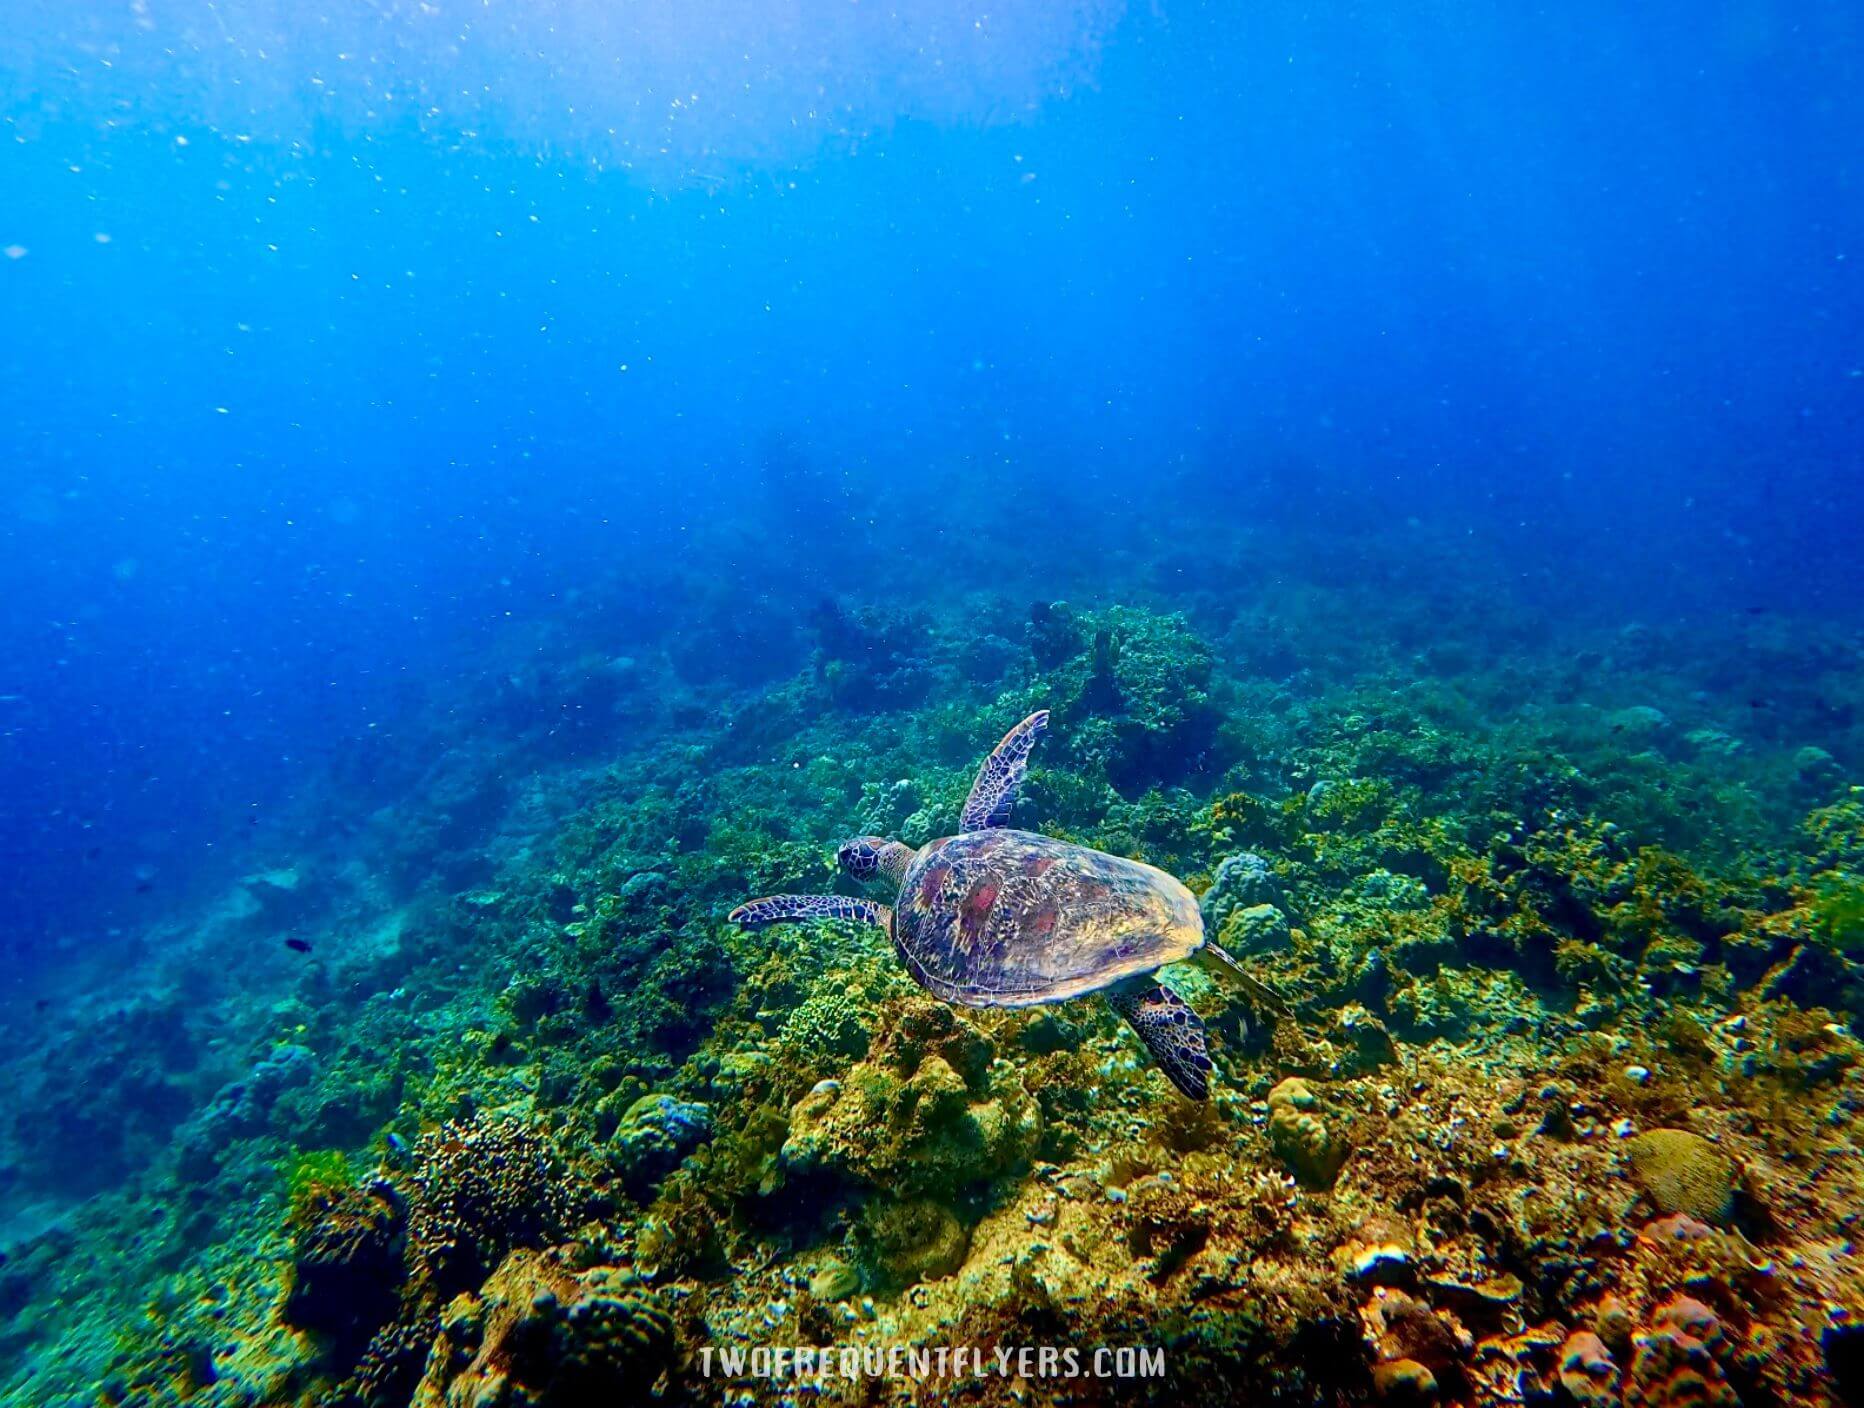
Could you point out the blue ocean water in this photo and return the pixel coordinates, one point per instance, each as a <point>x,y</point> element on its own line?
<point>358,355</point>
<point>340,338</point>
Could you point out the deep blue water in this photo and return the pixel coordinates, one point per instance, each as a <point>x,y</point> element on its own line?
<point>341,341</point>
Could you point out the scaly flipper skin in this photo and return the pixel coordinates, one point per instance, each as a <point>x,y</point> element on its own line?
<point>784,909</point>
<point>1260,994</point>
<point>993,795</point>
<point>1172,1032</point>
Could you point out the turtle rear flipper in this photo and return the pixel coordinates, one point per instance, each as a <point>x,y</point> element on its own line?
<point>785,909</point>
<point>993,795</point>
<point>1172,1032</point>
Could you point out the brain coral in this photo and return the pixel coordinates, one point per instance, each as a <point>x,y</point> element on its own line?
<point>1682,1172</point>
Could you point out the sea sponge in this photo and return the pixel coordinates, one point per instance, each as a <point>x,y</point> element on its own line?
<point>1312,1146</point>
<point>1682,1172</point>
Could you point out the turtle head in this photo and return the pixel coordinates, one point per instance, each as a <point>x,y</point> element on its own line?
<point>867,856</point>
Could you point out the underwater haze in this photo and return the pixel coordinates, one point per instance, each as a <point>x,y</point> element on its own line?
<point>486,488</point>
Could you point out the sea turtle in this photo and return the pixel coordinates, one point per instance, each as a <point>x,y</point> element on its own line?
<point>995,917</point>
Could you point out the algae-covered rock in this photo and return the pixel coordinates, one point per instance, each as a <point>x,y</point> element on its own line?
<point>1369,1044</point>
<point>929,1114</point>
<point>656,1132</point>
<point>1313,1146</point>
<point>1682,1172</point>
<point>1639,720</point>
<point>910,1242</point>
<point>346,1263</point>
<point>1404,1383</point>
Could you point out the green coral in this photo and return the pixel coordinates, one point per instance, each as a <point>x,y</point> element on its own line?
<point>314,1174</point>
<point>1835,910</point>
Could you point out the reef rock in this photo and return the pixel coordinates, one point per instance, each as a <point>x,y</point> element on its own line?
<point>1682,1172</point>
<point>1587,1372</point>
<point>243,1108</point>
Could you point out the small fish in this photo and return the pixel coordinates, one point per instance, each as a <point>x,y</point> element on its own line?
<point>144,886</point>
<point>297,945</point>
<point>396,1145</point>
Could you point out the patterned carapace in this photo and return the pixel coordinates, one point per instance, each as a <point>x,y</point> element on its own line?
<point>1005,918</point>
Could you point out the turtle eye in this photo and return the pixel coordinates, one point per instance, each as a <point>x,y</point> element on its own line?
<point>858,858</point>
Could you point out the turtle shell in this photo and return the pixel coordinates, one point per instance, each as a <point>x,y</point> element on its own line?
<point>1003,918</point>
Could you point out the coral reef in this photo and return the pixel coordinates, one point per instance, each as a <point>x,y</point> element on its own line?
<point>1561,1103</point>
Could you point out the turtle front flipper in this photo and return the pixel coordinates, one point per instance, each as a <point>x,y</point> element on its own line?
<point>1172,1032</point>
<point>993,795</point>
<point>784,909</point>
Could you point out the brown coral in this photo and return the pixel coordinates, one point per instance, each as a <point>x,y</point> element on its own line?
<point>544,1334</point>
<point>483,1187</point>
<point>1674,1364</point>
<point>1313,1147</point>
